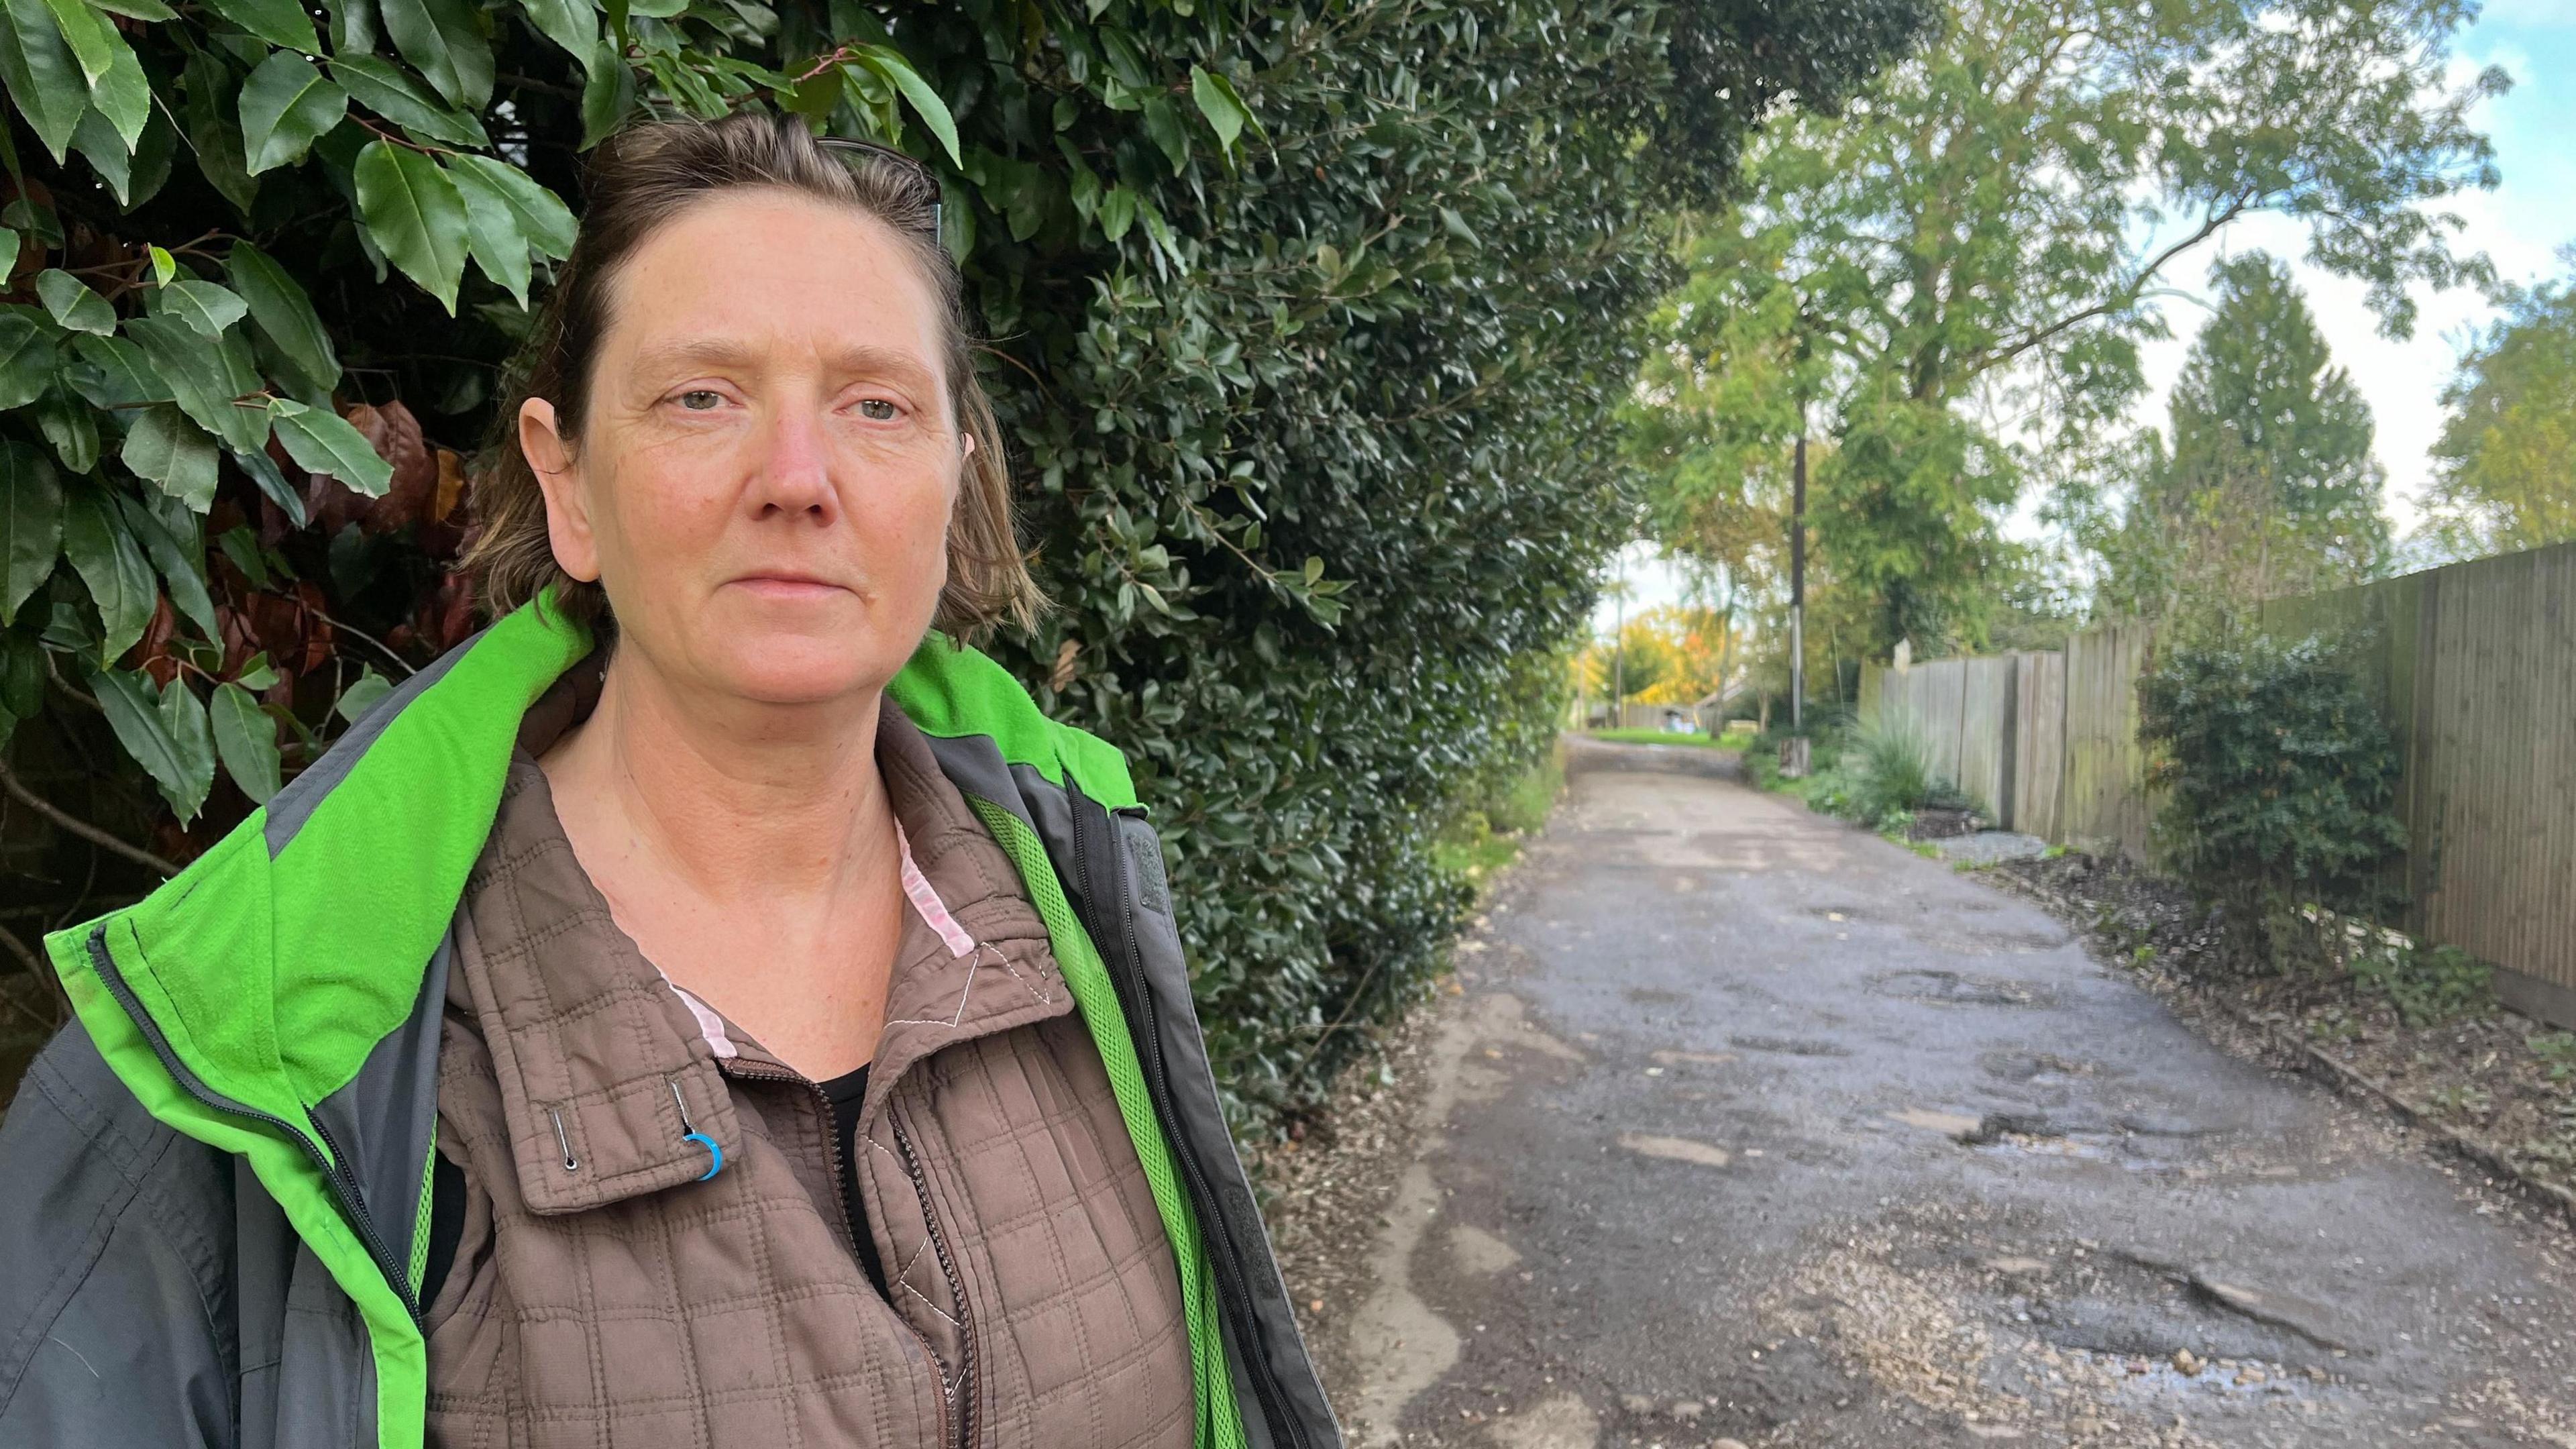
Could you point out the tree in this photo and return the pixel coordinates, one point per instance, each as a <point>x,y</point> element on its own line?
<point>1966,258</point>
<point>1674,654</point>
<point>1305,317</point>
<point>2269,486</point>
<point>2505,475</point>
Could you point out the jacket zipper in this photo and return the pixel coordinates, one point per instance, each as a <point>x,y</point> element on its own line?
<point>851,1230</point>
<point>956,1283</point>
<point>326,1154</point>
<point>1116,910</point>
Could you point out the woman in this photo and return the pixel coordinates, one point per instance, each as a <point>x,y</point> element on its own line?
<point>707,1007</point>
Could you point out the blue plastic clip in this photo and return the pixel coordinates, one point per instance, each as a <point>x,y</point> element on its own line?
<point>714,1150</point>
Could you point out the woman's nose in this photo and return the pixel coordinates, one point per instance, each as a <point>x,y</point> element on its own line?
<point>793,474</point>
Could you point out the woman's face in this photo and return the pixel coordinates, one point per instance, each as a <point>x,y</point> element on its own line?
<point>764,479</point>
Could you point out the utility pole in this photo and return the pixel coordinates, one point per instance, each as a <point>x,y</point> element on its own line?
<point>1619,647</point>
<point>1798,578</point>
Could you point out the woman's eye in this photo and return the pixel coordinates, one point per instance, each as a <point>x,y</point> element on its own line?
<point>699,400</point>
<point>869,407</point>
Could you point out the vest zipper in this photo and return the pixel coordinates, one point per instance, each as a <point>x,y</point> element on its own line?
<point>1116,911</point>
<point>326,1154</point>
<point>851,1230</point>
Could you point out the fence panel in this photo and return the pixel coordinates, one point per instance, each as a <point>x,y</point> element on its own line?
<point>1986,727</point>
<point>2495,770</point>
<point>1942,689</point>
<point>2039,745</point>
<point>2105,804</point>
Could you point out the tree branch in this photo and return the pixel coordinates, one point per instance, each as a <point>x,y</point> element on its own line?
<point>2137,285</point>
<point>37,968</point>
<point>17,788</point>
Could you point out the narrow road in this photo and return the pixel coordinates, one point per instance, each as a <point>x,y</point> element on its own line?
<point>1751,1126</point>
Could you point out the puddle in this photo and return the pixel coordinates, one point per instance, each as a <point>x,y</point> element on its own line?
<point>1957,988</point>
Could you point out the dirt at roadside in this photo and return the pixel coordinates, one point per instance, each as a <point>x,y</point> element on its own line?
<point>2496,1077</point>
<point>1325,1193</point>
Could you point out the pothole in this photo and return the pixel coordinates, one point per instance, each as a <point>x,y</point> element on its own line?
<point>1791,1046</point>
<point>1958,988</point>
<point>2031,1066</point>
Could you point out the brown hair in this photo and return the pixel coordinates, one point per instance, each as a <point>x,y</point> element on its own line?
<point>641,179</point>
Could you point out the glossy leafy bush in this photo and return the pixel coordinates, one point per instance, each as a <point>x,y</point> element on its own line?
<point>1307,321</point>
<point>2279,775</point>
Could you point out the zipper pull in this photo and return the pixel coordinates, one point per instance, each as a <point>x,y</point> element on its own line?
<point>693,1134</point>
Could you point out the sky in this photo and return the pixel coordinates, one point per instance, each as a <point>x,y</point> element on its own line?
<point>2520,225</point>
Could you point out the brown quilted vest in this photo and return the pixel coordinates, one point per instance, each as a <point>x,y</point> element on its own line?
<point>604,1296</point>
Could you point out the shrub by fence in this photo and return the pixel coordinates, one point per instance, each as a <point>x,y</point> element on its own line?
<point>2472,666</point>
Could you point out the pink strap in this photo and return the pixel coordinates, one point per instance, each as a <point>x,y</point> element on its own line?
<point>917,888</point>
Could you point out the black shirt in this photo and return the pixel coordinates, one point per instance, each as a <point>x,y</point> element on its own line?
<point>447,1192</point>
<point>846,1093</point>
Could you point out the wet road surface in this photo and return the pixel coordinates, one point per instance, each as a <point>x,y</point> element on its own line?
<point>1751,1126</point>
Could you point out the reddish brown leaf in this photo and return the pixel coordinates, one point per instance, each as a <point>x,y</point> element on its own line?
<point>395,435</point>
<point>152,651</point>
<point>451,485</point>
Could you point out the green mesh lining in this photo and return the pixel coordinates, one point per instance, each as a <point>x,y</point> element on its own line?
<point>1220,1424</point>
<point>420,1219</point>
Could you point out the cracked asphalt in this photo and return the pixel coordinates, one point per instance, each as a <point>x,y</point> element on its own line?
<point>1746,1125</point>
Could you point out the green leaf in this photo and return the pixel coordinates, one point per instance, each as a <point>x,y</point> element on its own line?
<point>256,672</point>
<point>246,741</point>
<point>412,210</point>
<point>359,697</point>
<point>122,95</point>
<point>926,103</point>
<point>323,442</point>
<point>133,710</point>
<point>285,105</point>
<point>74,307</point>
<point>492,233</point>
<point>97,140</point>
<point>183,718</point>
<point>164,265</point>
<point>31,524</point>
<point>381,86</point>
<point>543,219</point>
<point>123,377</point>
<point>283,314</point>
<point>203,305</point>
<point>1225,111</point>
<point>70,426</point>
<point>570,24</point>
<point>42,74</point>
<point>92,40</point>
<point>1117,212</point>
<point>263,471</point>
<point>279,22</point>
<point>174,454</point>
<point>138,9</point>
<point>211,106</point>
<point>442,41</point>
<point>28,349</point>
<point>608,95</point>
<point>182,575</point>
<point>1163,125</point>
<point>205,380</point>
<point>111,563</point>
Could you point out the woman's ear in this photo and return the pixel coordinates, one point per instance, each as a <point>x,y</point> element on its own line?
<point>970,445</point>
<point>542,443</point>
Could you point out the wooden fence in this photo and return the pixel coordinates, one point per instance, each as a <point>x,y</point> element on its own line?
<point>2475,664</point>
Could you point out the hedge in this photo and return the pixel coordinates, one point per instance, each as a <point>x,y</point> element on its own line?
<point>1307,318</point>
